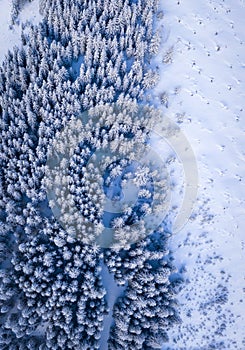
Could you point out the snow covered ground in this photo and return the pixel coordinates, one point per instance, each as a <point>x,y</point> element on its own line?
<point>11,37</point>
<point>113,292</point>
<point>203,79</point>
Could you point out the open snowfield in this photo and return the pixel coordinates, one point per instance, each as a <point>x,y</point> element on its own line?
<point>204,81</point>
<point>203,78</point>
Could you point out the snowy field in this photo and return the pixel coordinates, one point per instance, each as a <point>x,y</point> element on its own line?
<point>202,65</point>
<point>204,81</point>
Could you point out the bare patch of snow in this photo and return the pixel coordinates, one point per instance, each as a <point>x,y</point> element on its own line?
<point>10,35</point>
<point>113,293</point>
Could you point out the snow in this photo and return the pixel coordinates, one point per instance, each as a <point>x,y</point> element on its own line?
<point>204,79</point>
<point>10,35</point>
<point>113,292</point>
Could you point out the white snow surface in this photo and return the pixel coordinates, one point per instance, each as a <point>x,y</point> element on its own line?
<point>203,77</point>
<point>10,35</point>
<point>204,80</point>
<point>113,293</point>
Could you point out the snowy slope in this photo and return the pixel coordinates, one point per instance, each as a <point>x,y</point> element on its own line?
<point>203,77</point>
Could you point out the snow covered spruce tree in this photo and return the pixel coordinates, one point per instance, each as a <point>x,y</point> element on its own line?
<point>83,54</point>
<point>148,308</point>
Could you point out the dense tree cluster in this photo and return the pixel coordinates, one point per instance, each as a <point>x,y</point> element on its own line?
<point>115,144</point>
<point>83,54</point>
<point>148,308</point>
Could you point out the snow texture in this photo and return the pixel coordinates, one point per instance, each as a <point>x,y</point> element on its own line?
<point>202,80</point>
